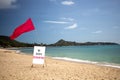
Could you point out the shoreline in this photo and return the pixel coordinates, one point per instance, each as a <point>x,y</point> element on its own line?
<point>15,66</point>
<point>113,65</point>
<point>106,64</point>
<point>100,63</point>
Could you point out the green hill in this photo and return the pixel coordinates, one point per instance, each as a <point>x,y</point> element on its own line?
<point>5,41</point>
<point>70,43</point>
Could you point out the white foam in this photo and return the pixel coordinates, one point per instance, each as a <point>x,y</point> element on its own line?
<point>87,61</point>
<point>75,60</point>
<point>114,66</point>
<point>18,51</point>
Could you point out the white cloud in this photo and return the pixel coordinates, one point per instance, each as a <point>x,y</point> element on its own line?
<point>4,4</point>
<point>69,19</point>
<point>57,22</point>
<point>97,32</point>
<point>72,26</point>
<point>64,21</point>
<point>67,2</point>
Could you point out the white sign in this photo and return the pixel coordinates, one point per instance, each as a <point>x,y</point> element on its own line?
<point>38,54</point>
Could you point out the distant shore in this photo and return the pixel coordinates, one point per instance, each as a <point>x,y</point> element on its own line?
<point>6,42</point>
<point>15,66</point>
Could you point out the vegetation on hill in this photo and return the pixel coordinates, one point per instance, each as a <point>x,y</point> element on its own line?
<point>5,41</point>
<point>70,43</point>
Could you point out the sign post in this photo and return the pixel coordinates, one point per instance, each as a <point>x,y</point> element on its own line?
<point>38,55</point>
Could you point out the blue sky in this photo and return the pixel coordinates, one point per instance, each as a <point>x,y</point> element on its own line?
<point>72,20</point>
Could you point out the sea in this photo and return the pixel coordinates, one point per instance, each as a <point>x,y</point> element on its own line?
<point>103,55</point>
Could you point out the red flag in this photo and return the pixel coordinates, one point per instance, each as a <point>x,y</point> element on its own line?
<point>25,27</point>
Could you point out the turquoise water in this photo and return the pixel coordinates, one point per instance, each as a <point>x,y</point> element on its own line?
<point>94,54</point>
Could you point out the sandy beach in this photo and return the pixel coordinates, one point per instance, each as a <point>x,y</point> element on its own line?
<point>14,66</point>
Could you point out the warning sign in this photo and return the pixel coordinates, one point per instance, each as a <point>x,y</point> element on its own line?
<point>39,54</point>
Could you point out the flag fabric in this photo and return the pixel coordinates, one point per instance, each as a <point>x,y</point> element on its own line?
<point>25,27</point>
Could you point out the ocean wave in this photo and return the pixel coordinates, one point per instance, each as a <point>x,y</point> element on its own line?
<point>111,65</point>
<point>18,51</point>
<point>74,60</point>
<point>87,61</point>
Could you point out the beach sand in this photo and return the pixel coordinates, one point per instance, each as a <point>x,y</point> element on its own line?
<point>14,66</point>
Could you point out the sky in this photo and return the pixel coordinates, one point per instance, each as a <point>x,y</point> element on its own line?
<point>71,20</point>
